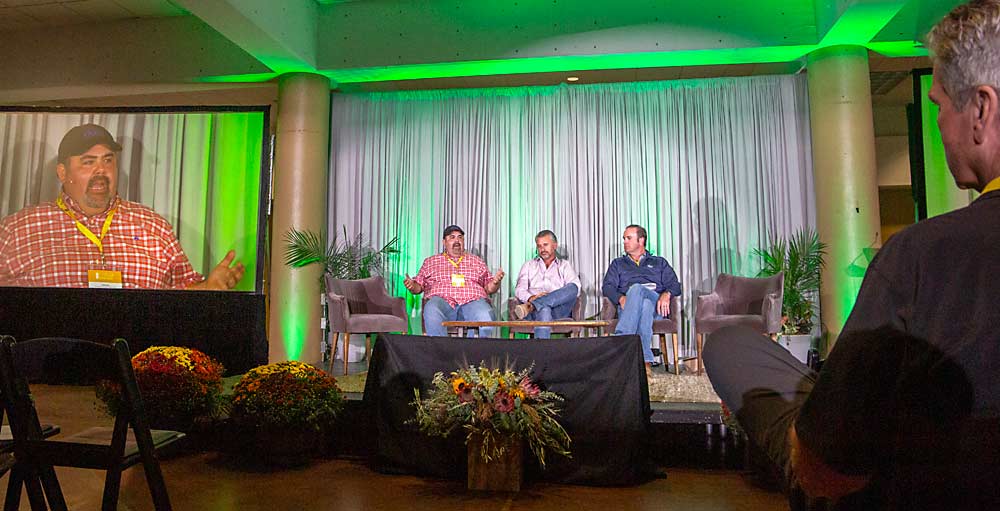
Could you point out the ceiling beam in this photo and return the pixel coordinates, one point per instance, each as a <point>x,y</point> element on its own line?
<point>281,35</point>
<point>858,21</point>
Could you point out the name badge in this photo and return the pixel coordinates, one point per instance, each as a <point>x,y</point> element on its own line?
<point>457,280</point>
<point>104,279</point>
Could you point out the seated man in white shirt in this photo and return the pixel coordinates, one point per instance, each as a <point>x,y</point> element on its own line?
<point>546,286</point>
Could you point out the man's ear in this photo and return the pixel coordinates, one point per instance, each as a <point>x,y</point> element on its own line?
<point>61,172</point>
<point>985,109</point>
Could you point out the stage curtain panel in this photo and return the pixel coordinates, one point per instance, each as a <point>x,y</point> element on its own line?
<point>606,409</point>
<point>200,171</point>
<point>712,168</point>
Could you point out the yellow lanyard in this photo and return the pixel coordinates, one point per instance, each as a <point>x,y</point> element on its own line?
<point>453,263</point>
<point>86,231</point>
<point>992,185</point>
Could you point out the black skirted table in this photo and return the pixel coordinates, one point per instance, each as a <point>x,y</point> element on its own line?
<point>606,409</point>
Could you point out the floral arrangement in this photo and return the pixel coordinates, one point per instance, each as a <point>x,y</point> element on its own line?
<point>286,395</point>
<point>493,403</point>
<point>729,420</point>
<point>178,384</point>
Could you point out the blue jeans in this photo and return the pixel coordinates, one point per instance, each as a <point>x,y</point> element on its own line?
<point>638,315</point>
<point>556,305</point>
<point>437,310</point>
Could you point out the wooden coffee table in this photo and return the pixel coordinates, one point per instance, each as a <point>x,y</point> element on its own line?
<point>462,325</point>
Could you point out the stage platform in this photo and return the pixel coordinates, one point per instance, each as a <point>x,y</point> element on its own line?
<point>664,412</point>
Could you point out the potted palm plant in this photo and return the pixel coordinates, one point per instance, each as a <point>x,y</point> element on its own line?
<point>344,259</point>
<point>800,258</point>
<point>349,259</point>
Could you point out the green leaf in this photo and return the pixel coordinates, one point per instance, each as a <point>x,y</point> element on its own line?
<point>801,259</point>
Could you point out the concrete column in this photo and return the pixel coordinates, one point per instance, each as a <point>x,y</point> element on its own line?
<point>301,166</point>
<point>843,146</point>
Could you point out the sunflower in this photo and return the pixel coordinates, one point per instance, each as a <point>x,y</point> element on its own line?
<point>458,385</point>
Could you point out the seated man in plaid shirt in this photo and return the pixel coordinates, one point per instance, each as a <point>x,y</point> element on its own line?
<point>90,237</point>
<point>457,284</point>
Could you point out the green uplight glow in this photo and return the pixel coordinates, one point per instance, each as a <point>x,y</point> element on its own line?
<point>245,78</point>
<point>899,49</point>
<point>293,327</point>
<point>767,54</point>
<point>237,153</point>
<point>858,25</point>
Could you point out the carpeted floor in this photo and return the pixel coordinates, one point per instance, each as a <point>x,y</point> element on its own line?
<point>663,387</point>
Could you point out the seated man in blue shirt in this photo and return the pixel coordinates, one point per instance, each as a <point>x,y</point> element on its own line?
<point>641,284</point>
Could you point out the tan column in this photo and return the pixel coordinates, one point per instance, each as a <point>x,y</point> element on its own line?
<point>843,146</point>
<point>300,190</point>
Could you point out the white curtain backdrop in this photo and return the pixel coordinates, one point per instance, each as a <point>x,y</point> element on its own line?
<point>200,171</point>
<point>712,168</point>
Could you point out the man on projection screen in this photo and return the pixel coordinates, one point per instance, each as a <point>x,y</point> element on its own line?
<point>91,237</point>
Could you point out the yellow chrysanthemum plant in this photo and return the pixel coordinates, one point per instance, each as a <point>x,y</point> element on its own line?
<point>178,385</point>
<point>494,403</point>
<point>286,395</point>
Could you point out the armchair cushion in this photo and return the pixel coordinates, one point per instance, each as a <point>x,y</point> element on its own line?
<point>750,302</point>
<point>364,306</point>
<point>375,323</point>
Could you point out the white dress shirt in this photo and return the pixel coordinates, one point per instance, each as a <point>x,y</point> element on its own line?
<point>535,278</point>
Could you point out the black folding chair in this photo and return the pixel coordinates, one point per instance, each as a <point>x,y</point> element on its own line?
<point>114,449</point>
<point>7,440</point>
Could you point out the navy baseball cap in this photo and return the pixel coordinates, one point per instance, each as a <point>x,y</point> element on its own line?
<point>81,138</point>
<point>452,228</point>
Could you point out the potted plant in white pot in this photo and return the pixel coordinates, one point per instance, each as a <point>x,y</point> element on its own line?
<point>800,258</point>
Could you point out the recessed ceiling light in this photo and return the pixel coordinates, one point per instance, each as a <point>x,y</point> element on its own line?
<point>572,78</point>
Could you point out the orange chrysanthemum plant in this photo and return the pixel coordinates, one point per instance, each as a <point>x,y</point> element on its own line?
<point>285,396</point>
<point>493,403</point>
<point>177,385</point>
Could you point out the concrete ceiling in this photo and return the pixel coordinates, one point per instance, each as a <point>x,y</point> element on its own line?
<point>64,51</point>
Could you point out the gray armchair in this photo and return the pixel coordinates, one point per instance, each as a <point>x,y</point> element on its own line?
<point>661,327</point>
<point>361,307</point>
<point>742,301</point>
<point>575,315</point>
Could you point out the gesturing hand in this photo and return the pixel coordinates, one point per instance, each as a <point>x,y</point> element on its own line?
<point>535,296</point>
<point>225,275</point>
<point>498,276</point>
<point>411,285</point>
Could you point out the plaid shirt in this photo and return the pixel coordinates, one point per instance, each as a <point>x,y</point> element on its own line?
<point>435,277</point>
<point>41,246</point>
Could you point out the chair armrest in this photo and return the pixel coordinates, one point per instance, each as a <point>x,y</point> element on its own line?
<point>675,308</point>
<point>608,310</point>
<point>708,306</point>
<point>386,304</point>
<point>771,310</point>
<point>399,307</point>
<point>338,311</point>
